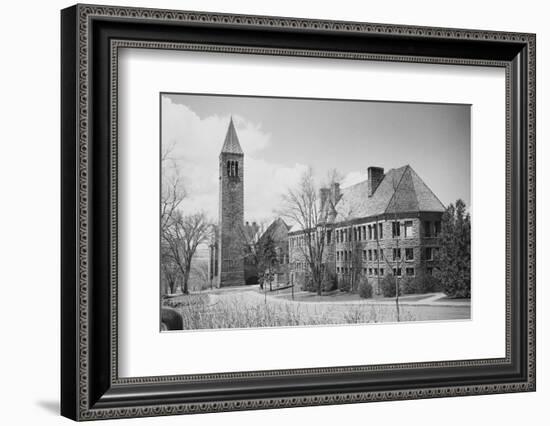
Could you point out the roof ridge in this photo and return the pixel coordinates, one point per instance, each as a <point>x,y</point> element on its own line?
<point>410,170</point>
<point>396,187</point>
<point>426,185</point>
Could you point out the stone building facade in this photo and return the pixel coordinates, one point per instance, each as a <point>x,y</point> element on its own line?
<point>387,224</point>
<point>226,251</point>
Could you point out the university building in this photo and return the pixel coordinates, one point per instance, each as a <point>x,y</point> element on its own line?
<point>387,224</point>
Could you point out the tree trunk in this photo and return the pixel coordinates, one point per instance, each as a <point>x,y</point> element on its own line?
<point>185,289</point>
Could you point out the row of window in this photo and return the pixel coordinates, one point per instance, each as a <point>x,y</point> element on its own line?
<point>344,270</point>
<point>300,266</point>
<point>378,254</point>
<point>371,232</point>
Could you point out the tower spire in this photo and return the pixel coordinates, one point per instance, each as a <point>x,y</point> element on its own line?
<point>231,143</point>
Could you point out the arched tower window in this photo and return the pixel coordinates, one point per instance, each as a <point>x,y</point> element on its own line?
<point>232,168</point>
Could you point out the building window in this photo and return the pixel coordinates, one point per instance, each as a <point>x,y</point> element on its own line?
<point>382,272</point>
<point>370,254</point>
<point>376,271</point>
<point>437,228</point>
<point>430,270</point>
<point>380,231</point>
<point>409,254</point>
<point>375,253</point>
<point>370,232</point>
<point>395,229</point>
<point>364,254</point>
<point>427,228</point>
<point>364,271</point>
<point>408,228</point>
<point>381,254</point>
<point>409,272</point>
<point>375,232</point>
<point>396,254</point>
<point>337,269</point>
<point>329,236</point>
<point>429,253</point>
<point>364,232</point>
<point>397,271</point>
<point>370,271</point>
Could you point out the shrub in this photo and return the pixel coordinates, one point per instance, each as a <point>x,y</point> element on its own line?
<point>408,285</point>
<point>344,283</point>
<point>428,283</point>
<point>422,283</point>
<point>387,286</point>
<point>329,282</point>
<point>308,284</point>
<point>365,289</point>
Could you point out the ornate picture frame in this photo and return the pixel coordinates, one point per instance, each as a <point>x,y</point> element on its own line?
<point>91,37</point>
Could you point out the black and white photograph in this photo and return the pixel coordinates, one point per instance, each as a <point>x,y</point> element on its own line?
<point>281,212</point>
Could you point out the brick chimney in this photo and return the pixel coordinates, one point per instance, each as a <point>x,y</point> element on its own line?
<point>335,192</point>
<point>375,176</point>
<point>324,194</point>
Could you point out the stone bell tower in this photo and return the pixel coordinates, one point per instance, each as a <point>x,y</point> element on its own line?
<point>231,215</point>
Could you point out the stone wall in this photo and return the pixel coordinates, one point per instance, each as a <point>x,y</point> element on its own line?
<point>231,219</point>
<point>345,253</point>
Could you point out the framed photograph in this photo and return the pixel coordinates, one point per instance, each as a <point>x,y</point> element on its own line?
<point>263,212</point>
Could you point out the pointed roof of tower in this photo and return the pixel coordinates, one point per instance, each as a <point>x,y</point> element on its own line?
<point>231,144</point>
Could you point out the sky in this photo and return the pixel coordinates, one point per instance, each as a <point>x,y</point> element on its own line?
<point>282,137</point>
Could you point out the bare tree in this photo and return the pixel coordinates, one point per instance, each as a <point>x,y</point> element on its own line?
<point>172,195</point>
<point>396,234</point>
<point>170,271</point>
<point>302,206</point>
<point>183,236</point>
<point>172,191</point>
<point>250,237</point>
<point>200,271</point>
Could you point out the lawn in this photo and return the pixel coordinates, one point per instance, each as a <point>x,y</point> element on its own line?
<point>252,309</point>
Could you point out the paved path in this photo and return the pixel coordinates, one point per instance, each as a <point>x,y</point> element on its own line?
<point>383,310</point>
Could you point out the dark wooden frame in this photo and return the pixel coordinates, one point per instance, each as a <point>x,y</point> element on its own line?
<point>90,386</point>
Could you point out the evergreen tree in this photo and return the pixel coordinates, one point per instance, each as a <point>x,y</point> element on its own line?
<point>268,259</point>
<point>453,259</point>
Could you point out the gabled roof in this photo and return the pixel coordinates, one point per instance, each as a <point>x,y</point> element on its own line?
<point>400,191</point>
<point>231,143</point>
<point>277,230</point>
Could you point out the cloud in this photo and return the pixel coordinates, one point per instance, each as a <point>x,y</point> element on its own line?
<point>353,177</point>
<point>195,144</point>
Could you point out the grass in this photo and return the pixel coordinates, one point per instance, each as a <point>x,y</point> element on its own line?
<point>249,310</point>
